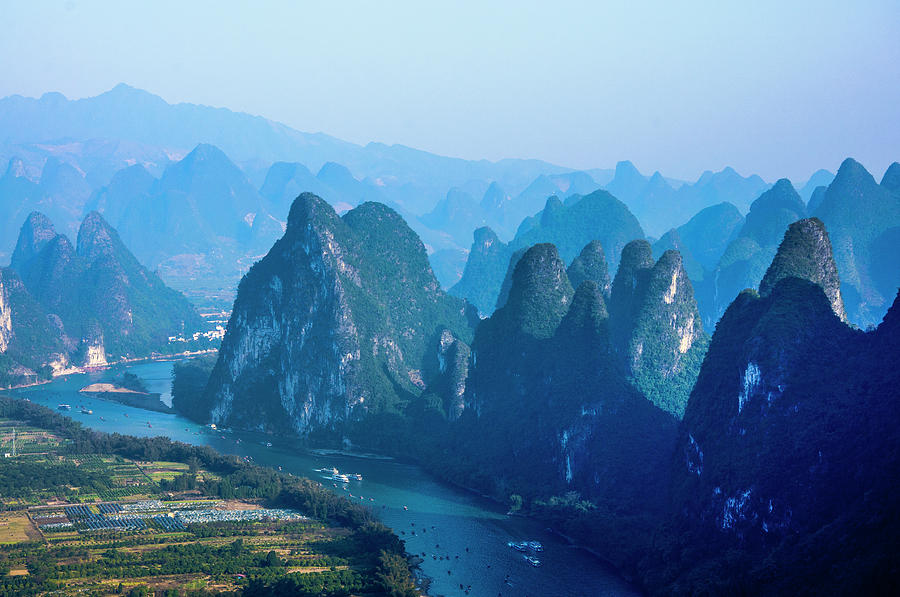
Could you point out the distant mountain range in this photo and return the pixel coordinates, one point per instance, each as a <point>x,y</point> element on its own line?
<point>722,251</point>
<point>862,216</point>
<point>597,216</point>
<point>54,124</point>
<point>659,205</point>
<point>126,126</point>
<point>199,194</point>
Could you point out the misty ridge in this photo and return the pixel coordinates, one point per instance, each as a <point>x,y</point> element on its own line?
<point>151,167</point>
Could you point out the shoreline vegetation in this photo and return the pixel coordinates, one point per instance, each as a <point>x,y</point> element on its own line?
<point>160,358</point>
<point>376,556</point>
<point>126,396</point>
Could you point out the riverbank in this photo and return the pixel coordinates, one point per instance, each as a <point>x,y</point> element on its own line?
<point>143,400</point>
<point>425,509</point>
<point>571,541</point>
<point>547,524</point>
<point>63,374</point>
<point>26,385</point>
<point>167,515</point>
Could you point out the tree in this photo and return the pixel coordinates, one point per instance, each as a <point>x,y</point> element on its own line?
<point>139,591</point>
<point>237,547</point>
<point>272,560</point>
<point>394,577</point>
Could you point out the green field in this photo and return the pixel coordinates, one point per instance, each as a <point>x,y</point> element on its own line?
<point>81,517</point>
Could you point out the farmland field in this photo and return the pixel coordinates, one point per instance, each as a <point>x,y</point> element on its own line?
<point>88,514</point>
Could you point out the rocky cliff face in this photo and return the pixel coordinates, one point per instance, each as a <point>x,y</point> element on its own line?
<point>135,310</point>
<point>97,297</point>
<point>28,340</point>
<point>5,319</point>
<point>745,260</point>
<point>543,292</point>
<point>35,235</point>
<point>656,328</point>
<point>453,367</point>
<point>569,393</point>
<point>788,442</point>
<point>93,348</point>
<point>637,259</point>
<point>860,215</point>
<point>805,252</point>
<point>548,399</point>
<point>335,323</point>
<point>591,265</point>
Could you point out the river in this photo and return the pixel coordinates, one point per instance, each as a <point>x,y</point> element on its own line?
<point>463,537</point>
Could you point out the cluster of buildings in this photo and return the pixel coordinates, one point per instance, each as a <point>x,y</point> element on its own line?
<point>149,514</point>
<point>217,320</point>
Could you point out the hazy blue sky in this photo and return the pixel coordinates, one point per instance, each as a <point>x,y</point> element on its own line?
<point>773,87</point>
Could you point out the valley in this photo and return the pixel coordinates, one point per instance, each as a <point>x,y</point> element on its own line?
<point>449,299</point>
<point>442,514</point>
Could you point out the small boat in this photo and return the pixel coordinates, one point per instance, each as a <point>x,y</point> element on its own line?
<point>102,419</point>
<point>535,546</point>
<point>356,476</point>
<point>532,560</point>
<point>86,411</point>
<point>268,444</point>
<point>405,508</point>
